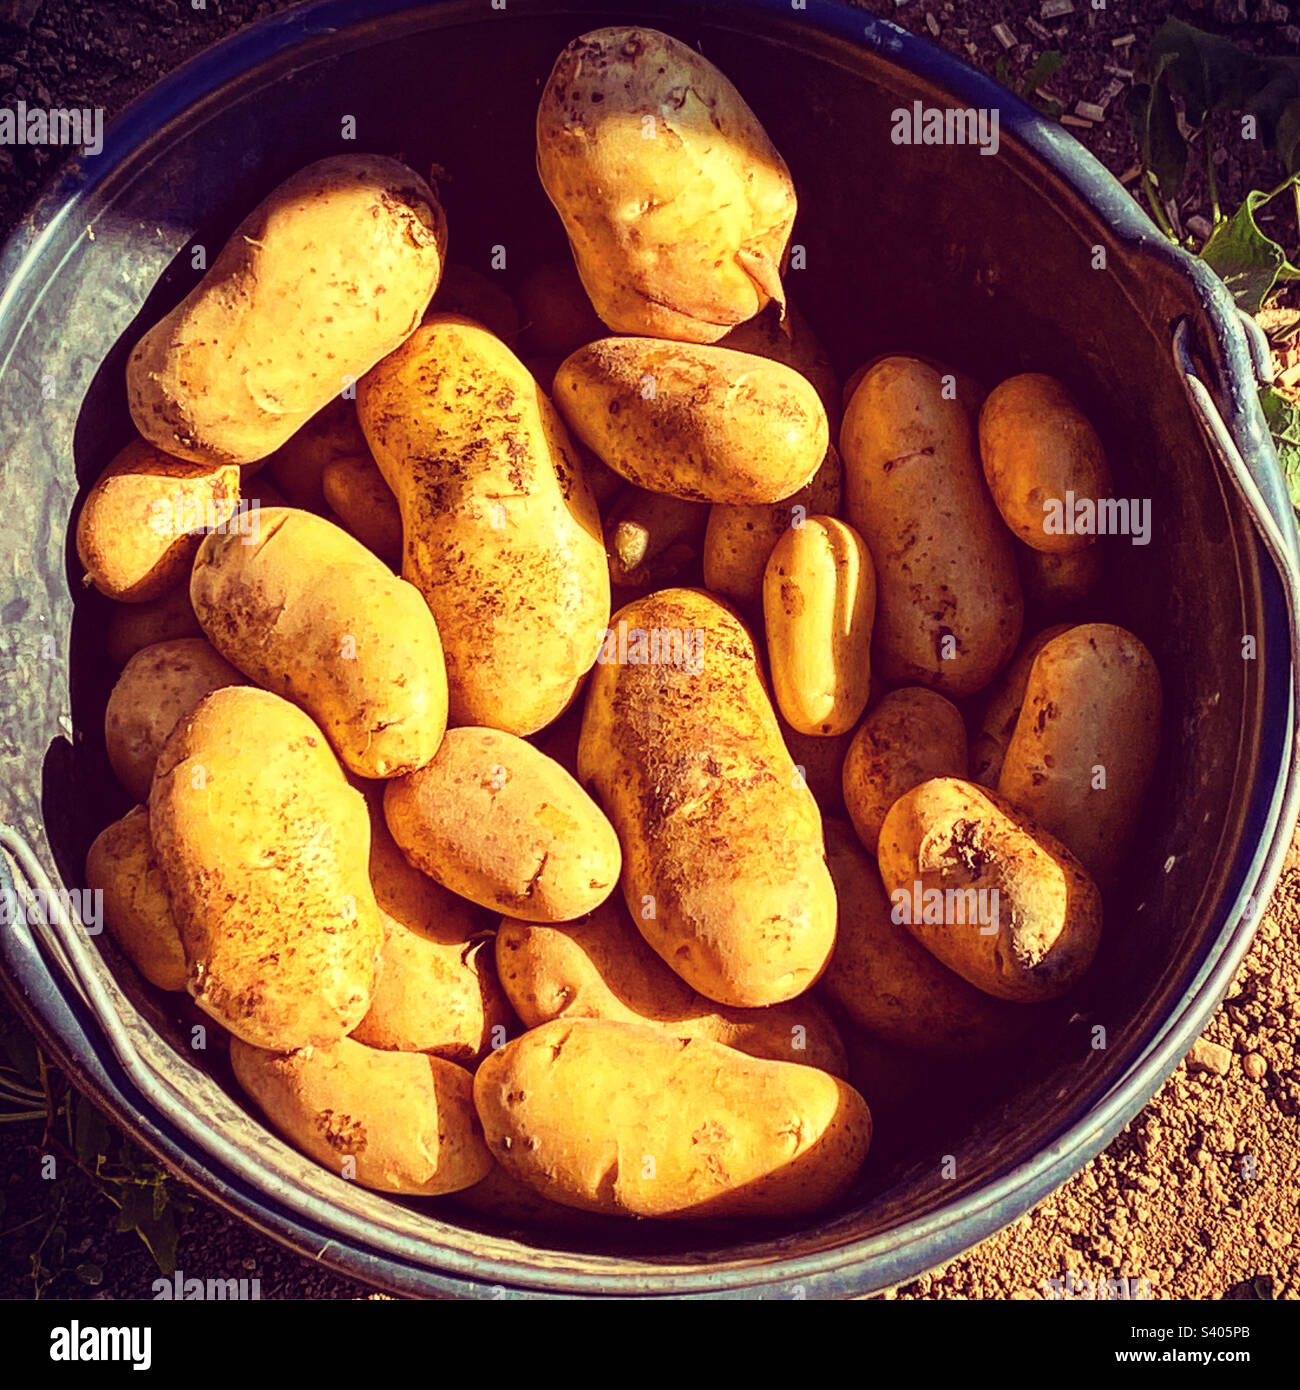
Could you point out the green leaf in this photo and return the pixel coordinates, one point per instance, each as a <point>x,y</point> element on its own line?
<point>1209,73</point>
<point>1282,84</point>
<point>1047,66</point>
<point>1245,259</point>
<point>1002,70</point>
<point>1151,115</point>
<point>159,1235</point>
<point>1283,416</point>
<point>1286,137</point>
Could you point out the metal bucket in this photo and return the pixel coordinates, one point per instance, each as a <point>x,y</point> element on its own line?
<point>1032,259</point>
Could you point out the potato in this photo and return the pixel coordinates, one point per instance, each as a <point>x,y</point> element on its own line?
<point>1040,457</point>
<point>134,626</point>
<point>625,1119</point>
<point>723,870</point>
<point>356,491</point>
<point>264,848</point>
<point>911,735</point>
<point>502,536</point>
<point>159,686</point>
<point>475,296</point>
<point>705,424</point>
<point>137,909</point>
<point>557,314</point>
<point>299,465</point>
<point>1085,744</point>
<point>650,538</point>
<point>739,540</point>
<point>953,385</point>
<point>141,523</point>
<point>819,600</point>
<point>437,991</point>
<point>820,762</point>
<point>500,823</point>
<point>790,339</point>
<point>324,277</point>
<point>392,1121</point>
<point>1002,709</point>
<point>987,892</point>
<point>310,613</point>
<point>505,1198</point>
<point>677,205</point>
<point>1055,584</point>
<point>891,985</point>
<point>949,608</point>
<point>599,967</point>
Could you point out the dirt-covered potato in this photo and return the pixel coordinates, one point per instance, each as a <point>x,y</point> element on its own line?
<point>789,338</point>
<point>306,611</point>
<point>626,1119</point>
<point>324,277</point>
<point>987,892</point>
<point>677,205</point>
<point>600,967</point>
<point>1086,742</point>
<point>650,538</point>
<point>495,820</point>
<point>357,493</point>
<point>264,848</point>
<point>137,908</point>
<point>298,465</point>
<point>723,865</point>
<point>159,686</point>
<point>134,626</point>
<point>396,1122</point>
<point>706,424</point>
<point>142,522</point>
<point>1001,709</point>
<point>502,536</point>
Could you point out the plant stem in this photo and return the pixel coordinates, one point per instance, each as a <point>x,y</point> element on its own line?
<point>1161,217</point>
<point>1212,179</point>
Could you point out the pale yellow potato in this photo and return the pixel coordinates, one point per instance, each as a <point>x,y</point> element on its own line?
<point>356,491</point>
<point>137,908</point>
<point>159,686</point>
<point>706,424</point>
<point>1085,744</point>
<point>264,847</point>
<point>677,205</point>
<point>789,338</point>
<point>396,1122</point>
<point>142,522</point>
<point>819,601</point>
<point>327,275</point>
<point>949,608</point>
<point>625,1119</point>
<point>557,314</point>
<point>473,295</point>
<point>910,735</point>
<point>298,465</point>
<point>1001,709</point>
<point>740,539</point>
<point>650,538</point>
<point>953,385</point>
<point>134,626</point>
<point>502,536</point>
<point>307,611</point>
<point>723,865</point>
<point>1031,942</point>
<point>1056,583</point>
<point>495,820</point>
<point>600,967</point>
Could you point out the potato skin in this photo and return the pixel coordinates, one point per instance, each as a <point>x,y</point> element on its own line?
<point>575,1108</point>
<point>356,491</point>
<point>650,538</point>
<point>158,687</point>
<point>819,601</point>
<point>962,387</point>
<point>790,340</point>
<point>298,465</point>
<point>723,869</point>
<point>1092,700</point>
<point>473,295</point>
<point>324,277</point>
<point>948,834</point>
<point>822,763</point>
<point>719,426</point>
<point>134,626</point>
<point>502,536</point>
<point>599,967</point>
<point>557,314</point>
<point>308,612</point>
<point>494,819</point>
<point>134,533</point>
<point>1001,710</point>
<point>264,847</point>
<point>680,235</point>
<point>137,910</point>
<point>909,736</point>
<point>1037,446</point>
<point>944,563</point>
<point>407,1120</point>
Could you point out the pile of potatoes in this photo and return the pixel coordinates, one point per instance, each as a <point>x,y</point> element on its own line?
<point>500,896</point>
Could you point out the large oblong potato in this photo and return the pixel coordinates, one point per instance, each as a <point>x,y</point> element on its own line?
<point>393,1121</point>
<point>988,893</point>
<point>677,205</point>
<point>501,534</point>
<point>949,607</point>
<point>706,424</point>
<point>494,819</point>
<point>723,863</point>
<point>1001,709</point>
<point>328,274</point>
<point>626,1119</point>
<point>600,967</point>
<point>1086,741</point>
<point>306,611</point>
<point>264,847</point>
<point>819,600</point>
